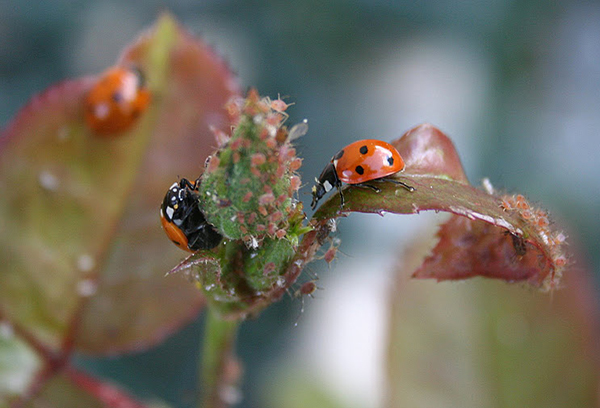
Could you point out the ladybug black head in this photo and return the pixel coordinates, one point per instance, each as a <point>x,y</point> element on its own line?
<point>179,201</point>
<point>139,74</point>
<point>326,181</point>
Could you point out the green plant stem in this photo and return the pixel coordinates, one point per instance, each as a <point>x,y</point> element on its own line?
<point>215,378</point>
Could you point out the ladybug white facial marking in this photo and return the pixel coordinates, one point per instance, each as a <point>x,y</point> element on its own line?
<point>170,211</point>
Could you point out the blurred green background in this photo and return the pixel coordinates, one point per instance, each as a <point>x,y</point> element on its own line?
<point>516,85</point>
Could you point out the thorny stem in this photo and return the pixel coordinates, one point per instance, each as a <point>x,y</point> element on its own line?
<point>216,378</point>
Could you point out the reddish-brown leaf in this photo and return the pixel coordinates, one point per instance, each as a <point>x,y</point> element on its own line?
<point>467,249</point>
<point>82,253</point>
<point>505,231</point>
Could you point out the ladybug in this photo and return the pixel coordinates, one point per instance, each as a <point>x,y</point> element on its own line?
<point>116,101</point>
<point>183,221</point>
<point>359,162</point>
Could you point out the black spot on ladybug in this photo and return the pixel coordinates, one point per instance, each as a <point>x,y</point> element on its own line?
<point>116,96</point>
<point>364,150</point>
<point>390,160</point>
<point>339,155</point>
<point>360,170</point>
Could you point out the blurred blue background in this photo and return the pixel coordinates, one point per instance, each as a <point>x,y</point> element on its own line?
<point>516,85</point>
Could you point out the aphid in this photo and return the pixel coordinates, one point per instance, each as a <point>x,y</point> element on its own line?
<point>307,289</point>
<point>331,253</point>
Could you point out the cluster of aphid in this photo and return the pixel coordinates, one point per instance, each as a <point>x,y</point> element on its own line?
<point>539,220</point>
<point>249,185</point>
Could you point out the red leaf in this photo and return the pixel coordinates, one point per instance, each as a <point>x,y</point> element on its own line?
<point>467,249</point>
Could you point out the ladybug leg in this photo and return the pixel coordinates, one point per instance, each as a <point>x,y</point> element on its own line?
<point>361,185</point>
<point>188,262</point>
<point>186,183</point>
<point>339,187</point>
<point>372,187</point>
<point>400,183</point>
<point>188,211</point>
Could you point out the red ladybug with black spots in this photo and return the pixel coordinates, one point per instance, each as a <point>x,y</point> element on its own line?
<point>356,164</point>
<point>183,221</point>
<point>116,101</point>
